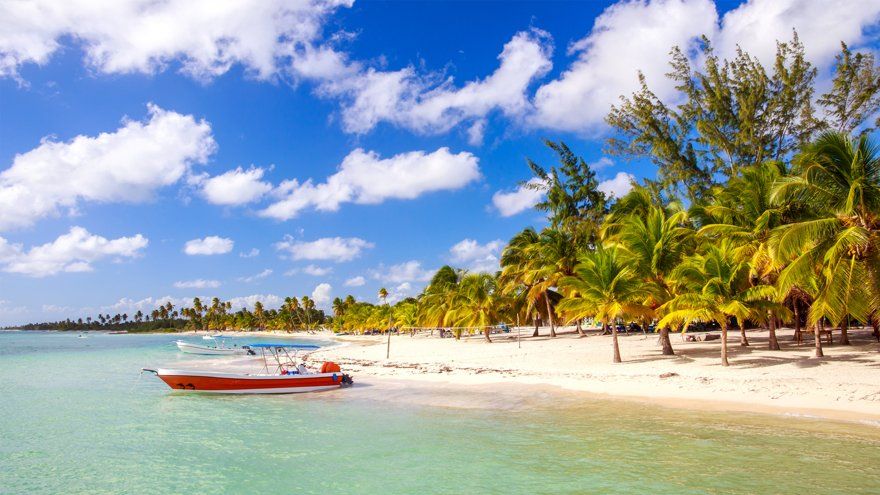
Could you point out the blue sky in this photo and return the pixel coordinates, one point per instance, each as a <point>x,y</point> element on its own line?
<point>130,129</point>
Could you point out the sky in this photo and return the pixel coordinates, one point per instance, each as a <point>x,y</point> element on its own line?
<point>257,149</point>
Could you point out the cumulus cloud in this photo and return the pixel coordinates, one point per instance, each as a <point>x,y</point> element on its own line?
<point>476,257</point>
<point>405,99</point>
<point>236,187</point>
<point>197,284</point>
<point>516,201</point>
<point>74,251</point>
<point>625,38</point>
<point>409,271</point>
<point>208,246</point>
<point>756,25</point>
<point>257,276</point>
<point>205,37</point>
<point>338,249</point>
<point>617,186</point>
<point>127,165</point>
<point>365,178</point>
<point>322,293</point>
<point>355,281</point>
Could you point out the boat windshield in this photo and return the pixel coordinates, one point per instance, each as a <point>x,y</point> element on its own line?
<point>281,357</point>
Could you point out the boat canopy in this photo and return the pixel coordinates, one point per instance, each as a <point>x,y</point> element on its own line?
<point>270,345</point>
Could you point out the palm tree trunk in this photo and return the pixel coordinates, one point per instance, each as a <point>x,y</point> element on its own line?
<point>665,342</point>
<point>550,314</point>
<point>797,322</point>
<point>875,322</point>
<point>774,344</point>
<point>819,352</point>
<point>615,344</point>
<point>486,333</point>
<point>743,340</point>
<point>580,329</point>
<point>844,336</point>
<point>535,320</point>
<point>724,343</point>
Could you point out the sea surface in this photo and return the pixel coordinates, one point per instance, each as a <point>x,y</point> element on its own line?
<point>76,416</point>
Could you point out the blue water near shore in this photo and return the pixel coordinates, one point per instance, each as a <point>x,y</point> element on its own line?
<point>76,417</point>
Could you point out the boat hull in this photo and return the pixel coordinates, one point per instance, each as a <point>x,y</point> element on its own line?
<point>208,350</point>
<point>234,383</point>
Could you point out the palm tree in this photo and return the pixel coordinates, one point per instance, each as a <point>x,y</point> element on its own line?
<point>713,287</point>
<point>515,278</point>
<point>260,315</point>
<point>744,212</point>
<point>840,245</point>
<point>654,244</point>
<point>383,295</point>
<point>606,287</point>
<point>437,299</point>
<point>477,303</point>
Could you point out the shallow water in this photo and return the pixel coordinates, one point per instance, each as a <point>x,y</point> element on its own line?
<point>76,417</point>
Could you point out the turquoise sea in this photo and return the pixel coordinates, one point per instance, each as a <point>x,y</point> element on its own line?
<point>77,417</point>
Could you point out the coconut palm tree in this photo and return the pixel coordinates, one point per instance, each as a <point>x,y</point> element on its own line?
<point>743,211</point>
<point>654,244</point>
<point>383,295</point>
<point>714,286</point>
<point>437,300</point>
<point>477,303</point>
<point>606,287</point>
<point>840,177</point>
<point>515,276</point>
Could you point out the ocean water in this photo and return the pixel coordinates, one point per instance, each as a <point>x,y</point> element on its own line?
<point>77,417</point>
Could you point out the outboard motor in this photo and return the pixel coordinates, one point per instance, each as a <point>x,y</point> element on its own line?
<point>346,380</point>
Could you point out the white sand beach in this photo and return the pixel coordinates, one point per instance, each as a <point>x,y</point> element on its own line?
<point>845,384</point>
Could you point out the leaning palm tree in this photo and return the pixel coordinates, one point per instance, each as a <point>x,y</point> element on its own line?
<point>713,287</point>
<point>438,298</point>
<point>744,212</point>
<point>516,276</point>
<point>654,244</point>
<point>550,259</point>
<point>605,287</point>
<point>841,178</point>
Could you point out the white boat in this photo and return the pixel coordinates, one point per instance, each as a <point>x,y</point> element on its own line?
<point>284,376</point>
<point>218,349</point>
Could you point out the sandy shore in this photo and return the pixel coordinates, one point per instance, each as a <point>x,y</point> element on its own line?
<point>843,385</point>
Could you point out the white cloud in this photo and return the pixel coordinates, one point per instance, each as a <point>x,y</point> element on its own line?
<point>317,271</point>
<point>338,249</point>
<point>206,37</point>
<point>127,165</point>
<point>236,187</point>
<point>208,246</point>
<point>617,186</point>
<point>477,257</point>
<point>197,284</point>
<point>258,276</point>
<point>74,251</point>
<point>601,164</point>
<point>756,25</point>
<point>626,37</point>
<point>7,308</point>
<point>517,201</point>
<point>365,178</point>
<point>250,254</point>
<point>409,271</point>
<point>269,301</point>
<point>419,104</point>
<point>355,281</point>
<point>401,292</point>
<point>322,293</point>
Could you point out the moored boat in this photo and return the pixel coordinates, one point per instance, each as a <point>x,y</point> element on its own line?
<point>287,376</point>
<point>218,349</point>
